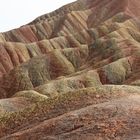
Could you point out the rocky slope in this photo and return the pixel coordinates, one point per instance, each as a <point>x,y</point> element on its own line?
<point>73,74</point>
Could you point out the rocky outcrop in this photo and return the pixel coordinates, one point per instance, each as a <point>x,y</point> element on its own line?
<point>73,74</point>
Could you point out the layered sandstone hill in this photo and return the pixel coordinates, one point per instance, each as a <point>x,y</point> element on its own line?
<point>73,74</point>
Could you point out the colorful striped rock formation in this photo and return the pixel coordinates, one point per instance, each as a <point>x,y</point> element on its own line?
<point>73,74</point>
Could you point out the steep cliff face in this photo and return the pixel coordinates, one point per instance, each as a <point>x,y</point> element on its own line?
<point>73,74</point>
